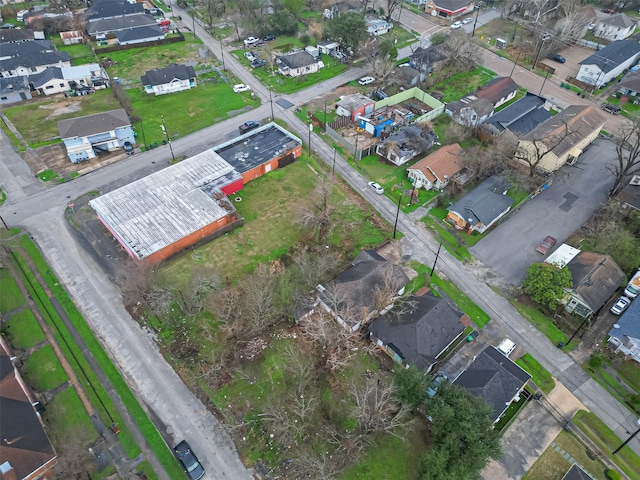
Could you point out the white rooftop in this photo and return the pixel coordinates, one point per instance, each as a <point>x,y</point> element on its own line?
<point>160,209</point>
<point>563,255</point>
<point>79,71</point>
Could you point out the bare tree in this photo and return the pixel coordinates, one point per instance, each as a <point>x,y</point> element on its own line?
<point>627,155</point>
<point>576,18</point>
<point>192,299</point>
<point>323,213</point>
<point>381,56</point>
<point>392,6</point>
<point>257,301</point>
<point>312,268</point>
<point>463,53</point>
<point>376,407</point>
<point>539,145</point>
<point>538,10</point>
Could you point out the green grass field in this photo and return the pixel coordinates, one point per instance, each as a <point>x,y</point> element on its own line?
<point>67,420</point>
<point>544,324</point>
<point>24,330</point>
<point>43,370</point>
<point>80,53</point>
<point>460,84</point>
<point>11,298</point>
<point>539,375</point>
<point>477,315</point>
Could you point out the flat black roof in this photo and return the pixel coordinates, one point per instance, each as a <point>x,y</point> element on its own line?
<point>257,147</point>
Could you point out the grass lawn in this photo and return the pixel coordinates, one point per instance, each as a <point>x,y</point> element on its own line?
<point>11,298</point>
<point>630,371</point>
<point>270,206</point>
<point>509,414</point>
<point>24,330</point>
<point>477,315</point>
<point>130,64</point>
<point>43,370</point>
<point>460,84</point>
<point>38,121</point>
<point>608,441</point>
<point>449,240</point>
<point>186,112</point>
<point>552,465</point>
<point>612,385</point>
<point>67,420</point>
<point>544,324</point>
<point>401,36</point>
<point>539,375</point>
<point>80,54</point>
<point>282,84</point>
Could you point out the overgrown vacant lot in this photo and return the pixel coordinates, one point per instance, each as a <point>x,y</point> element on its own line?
<point>37,121</point>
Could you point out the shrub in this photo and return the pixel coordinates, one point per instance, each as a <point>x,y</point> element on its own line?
<point>613,475</point>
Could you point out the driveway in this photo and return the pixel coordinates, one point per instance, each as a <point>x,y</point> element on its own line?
<point>576,193</point>
<point>574,54</point>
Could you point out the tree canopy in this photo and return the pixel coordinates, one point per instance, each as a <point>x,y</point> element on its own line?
<point>410,386</point>
<point>350,29</point>
<point>545,283</point>
<point>463,437</point>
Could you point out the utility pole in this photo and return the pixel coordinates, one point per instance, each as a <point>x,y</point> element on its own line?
<point>514,65</point>
<point>324,127</point>
<point>395,225</point>
<point>476,21</point>
<point>333,167</point>
<point>310,130</point>
<point>543,82</point>
<point>164,129</point>
<point>433,269</point>
<point>271,101</point>
<point>631,437</point>
<point>142,131</point>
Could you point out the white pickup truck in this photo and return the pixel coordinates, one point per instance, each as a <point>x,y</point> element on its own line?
<point>633,287</point>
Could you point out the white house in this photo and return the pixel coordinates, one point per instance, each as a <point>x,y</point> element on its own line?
<point>377,27</point>
<point>615,27</point>
<point>606,64</point>
<point>298,63</point>
<point>171,79</point>
<point>54,80</point>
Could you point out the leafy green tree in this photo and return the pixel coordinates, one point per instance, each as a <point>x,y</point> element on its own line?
<point>283,22</point>
<point>545,283</point>
<point>295,7</point>
<point>410,385</point>
<point>350,29</point>
<point>463,436</point>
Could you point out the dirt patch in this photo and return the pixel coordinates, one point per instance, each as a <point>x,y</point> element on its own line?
<point>61,108</point>
<point>490,277</point>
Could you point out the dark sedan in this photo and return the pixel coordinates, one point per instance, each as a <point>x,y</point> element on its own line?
<point>188,460</point>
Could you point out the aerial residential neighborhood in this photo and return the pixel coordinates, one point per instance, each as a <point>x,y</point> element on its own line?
<point>358,240</point>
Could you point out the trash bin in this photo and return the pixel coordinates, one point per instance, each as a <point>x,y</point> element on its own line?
<point>560,345</point>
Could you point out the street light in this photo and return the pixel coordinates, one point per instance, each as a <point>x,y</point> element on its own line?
<point>164,129</point>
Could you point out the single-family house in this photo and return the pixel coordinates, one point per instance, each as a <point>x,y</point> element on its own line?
<point>629,86</point>
<point>493,377</point>
<point>431,58</point>
<point>406,143</point>
<point>560,139</point>
<point>614,27</point>
<point>624,337</point>
<point>435,171</point>
<point>354,106</point>
<point>105,9</point>
<point>22,49</point>
<point>10,35</point>
<point>518,119</point>
<point>170,79</point>
<point>498,91</point>
<point>630,194</point>
<point>101,132</point>
<point>576,473</point>
<point>351,296</point>
<point>298,63</point>
<point>14,89</point>
<point>377,27</point>
<point>595,278</point>
<point>449,8</point>
<point>419,333</point>
<point>327,47</point>
<point>106,26</point>
<point>147,33</point>
<point>609,62</point>
<point>26,453</point>
<point>469,111</point>
<point>78,80</point>
<point>408,76</point>
<point>482,207</point>
<point>28,65</point>
<point>72,37</point>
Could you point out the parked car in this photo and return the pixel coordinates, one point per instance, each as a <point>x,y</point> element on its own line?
<point>435,384</point>
<point>556,57</point>
<point>258,62</point>
<point>241,87</point>
<point>248,126</point>
<point>366,80</point>
<point>376,187</point>
<point>546,245</point>
<point>467,20</point>
<point>592,26</point>
<point>506,347</point>
<point>613,109</point>
<point>456,25</point>
<point>128,148</point>
<point>608,10</point>
<point>250,41</point>
<point>269,38</point>
<point>188,460</point>
<point>338,55</point>
<point>620,306</point>
<point>249,56</point>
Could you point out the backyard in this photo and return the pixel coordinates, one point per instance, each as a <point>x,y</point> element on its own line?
<point>460,84</point>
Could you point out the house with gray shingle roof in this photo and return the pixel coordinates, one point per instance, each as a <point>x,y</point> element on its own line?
<point>298,63</point>
<point>106,26</point>
<point>34,63</point>
<point>86,136</point>
<point>576,473</point>
<point>170,79</point>
<point>495,379</point>
<point>104,9</point>
<point>14,89</point>
<point>615,27</point>
<point>519,118</point>
<point>624,337</point>
<point>629,86</point>
<point>606,64</point>
<point>147,33</point>
<point>482,206</point>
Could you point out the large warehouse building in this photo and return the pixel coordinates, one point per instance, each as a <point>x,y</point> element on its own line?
<point>157,216</point>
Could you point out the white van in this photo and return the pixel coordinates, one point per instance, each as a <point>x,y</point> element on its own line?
<point>506,347</point>
<point>633,288</point>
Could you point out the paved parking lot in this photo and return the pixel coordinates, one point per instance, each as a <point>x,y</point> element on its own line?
<point>577,191</point>
<point>574,54</point>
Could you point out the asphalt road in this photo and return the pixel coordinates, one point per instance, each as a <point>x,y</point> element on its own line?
<point>178,414</point>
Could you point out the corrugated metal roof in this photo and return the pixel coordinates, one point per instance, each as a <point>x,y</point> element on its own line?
<point>160,209</point>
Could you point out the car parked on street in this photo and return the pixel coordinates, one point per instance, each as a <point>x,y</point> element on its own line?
<point>188,460</point>
<point>556,57</point>
<point>467,20</point>
<point>546,245</point>
<point>366,80</point>
<point>620,306</point>
<point>241,87</point>
<point>248,126</point>
<point>456,25</point>
<point>376,187</point>
<point>613,109</point>
<point>435,384</point>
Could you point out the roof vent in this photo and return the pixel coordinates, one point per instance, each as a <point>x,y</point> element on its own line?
<point>635,180</point>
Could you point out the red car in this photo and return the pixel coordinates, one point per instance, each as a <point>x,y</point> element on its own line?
<point>546,245</point>
<point>608,10</point>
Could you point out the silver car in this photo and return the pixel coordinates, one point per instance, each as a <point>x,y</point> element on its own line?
<point>620,306</point>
